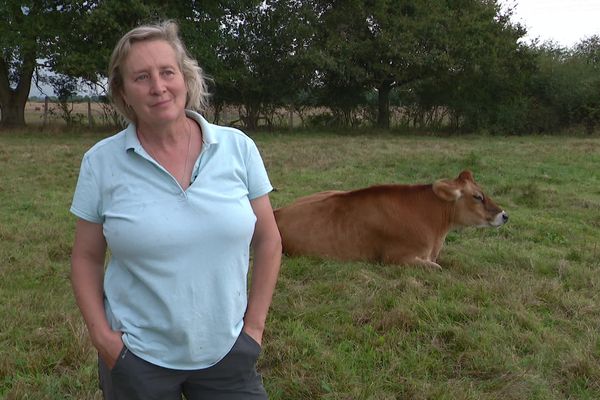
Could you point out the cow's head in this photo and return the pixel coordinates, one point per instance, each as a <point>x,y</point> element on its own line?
<point>471,206</point>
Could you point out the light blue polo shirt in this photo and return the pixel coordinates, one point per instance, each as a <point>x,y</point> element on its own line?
<point>175,284</point>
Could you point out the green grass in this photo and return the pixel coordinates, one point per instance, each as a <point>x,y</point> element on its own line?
<point>514,314</point>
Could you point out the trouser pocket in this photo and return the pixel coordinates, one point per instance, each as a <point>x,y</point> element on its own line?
<point>121,357</point>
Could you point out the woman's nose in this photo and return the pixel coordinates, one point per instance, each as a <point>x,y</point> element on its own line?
<point>157,85</point>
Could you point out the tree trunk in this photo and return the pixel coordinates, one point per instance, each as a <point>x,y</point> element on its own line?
<point>13,115</point>
<point>383,110</point>
<point>12,101</point>
<point>252,116</point>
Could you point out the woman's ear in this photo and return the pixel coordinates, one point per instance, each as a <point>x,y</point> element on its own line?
<point>447,190</point>
<point>124,98</point>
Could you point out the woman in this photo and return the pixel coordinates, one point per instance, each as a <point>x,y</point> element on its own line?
<point>178,202</point>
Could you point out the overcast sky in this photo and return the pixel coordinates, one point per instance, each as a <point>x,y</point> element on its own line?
<point>565,22</point>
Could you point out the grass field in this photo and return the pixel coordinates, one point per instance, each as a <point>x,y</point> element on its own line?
<point>514,314</point>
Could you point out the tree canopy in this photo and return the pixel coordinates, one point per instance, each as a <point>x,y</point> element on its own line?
<point>463,59</point>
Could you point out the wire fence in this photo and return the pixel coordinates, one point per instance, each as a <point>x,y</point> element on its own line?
<point>51,115</point>
<point>48,113</point>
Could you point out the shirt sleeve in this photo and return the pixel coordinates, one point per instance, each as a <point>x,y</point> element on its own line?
<point>258,180</point>
<point>87,200</point>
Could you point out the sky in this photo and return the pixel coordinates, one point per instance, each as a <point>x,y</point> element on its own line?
<point>565,22</point>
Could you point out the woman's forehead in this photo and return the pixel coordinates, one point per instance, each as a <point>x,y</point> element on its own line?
<point>150,54</point>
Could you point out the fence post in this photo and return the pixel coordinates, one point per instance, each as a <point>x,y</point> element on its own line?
<point>90,118</point>
<point>45,111</point>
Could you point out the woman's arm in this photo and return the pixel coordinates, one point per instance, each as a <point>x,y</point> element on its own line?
<point>267,259</point>
<point>87,276</point>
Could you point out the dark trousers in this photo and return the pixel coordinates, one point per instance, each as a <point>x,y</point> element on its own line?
<point>232,378</point>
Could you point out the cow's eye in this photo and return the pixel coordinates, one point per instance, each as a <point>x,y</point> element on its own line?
<point>478,197</point>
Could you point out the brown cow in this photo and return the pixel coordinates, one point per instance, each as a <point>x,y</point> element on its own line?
<point>396,224</point>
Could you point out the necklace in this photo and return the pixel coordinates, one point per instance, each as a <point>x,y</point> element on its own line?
<point>187,154</point>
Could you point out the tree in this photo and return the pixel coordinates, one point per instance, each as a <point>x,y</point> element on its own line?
<point>564,89</point>
<point>387,44</point>
<point>398,46</point>
<point>480,71</point>
<point>589,50</point>
<point>262,52</point>
<point>65,88</point>
<point>76,37</point>
<point>72,37</point>
<point>586,56</point>
<point>85,52</point>
<point>27,37</point>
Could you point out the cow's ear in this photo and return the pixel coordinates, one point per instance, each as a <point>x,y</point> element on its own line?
<point>447,190</point>
<point>466,175</point>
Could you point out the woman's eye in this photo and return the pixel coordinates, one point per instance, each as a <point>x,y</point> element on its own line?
<point>141,77</point>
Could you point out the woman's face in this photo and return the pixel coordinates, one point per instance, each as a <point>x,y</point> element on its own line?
<point>153,84</point>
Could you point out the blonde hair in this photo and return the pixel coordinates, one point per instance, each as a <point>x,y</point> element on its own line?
<point>193,75</point>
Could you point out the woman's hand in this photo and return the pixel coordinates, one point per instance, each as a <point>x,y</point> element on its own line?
<point>255,334</point>
<point>110,347</point>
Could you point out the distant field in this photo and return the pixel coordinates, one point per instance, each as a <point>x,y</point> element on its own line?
<point>51,119</point>
<point>514,314</point>
<point>36,113</point>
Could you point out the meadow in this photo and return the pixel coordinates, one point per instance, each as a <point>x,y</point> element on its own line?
<point>514,314</point>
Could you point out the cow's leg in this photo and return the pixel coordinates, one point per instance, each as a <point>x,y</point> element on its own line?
<point>403,258</point>
<point>427,264</point>
<point>435,251</point>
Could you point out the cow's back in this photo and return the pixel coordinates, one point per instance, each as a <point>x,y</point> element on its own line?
<point>306,225</point>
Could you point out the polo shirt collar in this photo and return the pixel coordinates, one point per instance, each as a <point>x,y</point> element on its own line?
<point>131,139</point>
<point>208,133</point>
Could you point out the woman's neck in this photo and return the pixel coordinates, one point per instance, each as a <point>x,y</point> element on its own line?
<point>164,135</point>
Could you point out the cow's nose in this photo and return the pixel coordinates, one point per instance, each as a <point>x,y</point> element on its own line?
<point>504,217</point>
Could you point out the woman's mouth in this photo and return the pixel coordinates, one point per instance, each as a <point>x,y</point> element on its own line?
<point>160,103</point>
